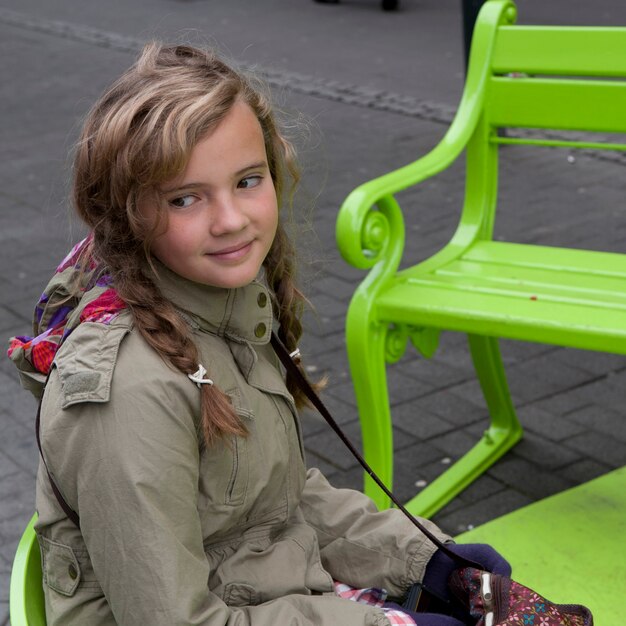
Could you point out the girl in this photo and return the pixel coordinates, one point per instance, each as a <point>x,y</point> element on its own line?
<point>166,423</point>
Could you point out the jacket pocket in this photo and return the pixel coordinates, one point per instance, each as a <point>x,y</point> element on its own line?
<point>240,594</point>
<point>60,568</point>
<point>237,486</point>
<point>238,481</point>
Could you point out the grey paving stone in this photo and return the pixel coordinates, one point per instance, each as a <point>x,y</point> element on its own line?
<point>455,443</point>
<point>327,306</point>
<point>8,319</point>
<point>341,390</point>
<point>349,479</point>
<point>400,389</point>
<point>329,359</point>
<point>539,378</point>
<point>311,423</point>
<point>452,407</point>
<point>520,351</point>
<point>6,367</point>
<point>18,514</point>
<point>583,470</point>
<point>343,412</point>
<point>323,326</point>
<point>20,485</point>
<point>22,308</point>
<point>469,390</point>
<point>25,453</point>
<point>603,419</point>
<point>418,422</point>
<point>19,443</point>
<point>5,571</point>
<point>454,350</point>
<point>313,460</point>
<point>597,363</point>
<point>8,467</point>
<point>8,548</point>
<point>478,513</point>
<point>546,424</point>
<point>421,462</point>
<point>16,401</point>
<point>528,478</point>
<point>328,284</point>
<point>546,454</point>
<point>601,392</point>
<point>484,486</point>
<point>599,447</point>
<point>561,403</point>
<point>327,446</point>
<point>435,372</point>
<point>336,267</point>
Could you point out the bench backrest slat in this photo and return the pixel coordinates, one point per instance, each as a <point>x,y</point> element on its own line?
<point>566,51</point>
<point>558,77</point>
<point>566,104</point>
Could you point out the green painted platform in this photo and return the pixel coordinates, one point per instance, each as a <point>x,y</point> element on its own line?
<point>570,547</point>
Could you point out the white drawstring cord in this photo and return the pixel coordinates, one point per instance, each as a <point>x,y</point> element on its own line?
<point>198,377</point>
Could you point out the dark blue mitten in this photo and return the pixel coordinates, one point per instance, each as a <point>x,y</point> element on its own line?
<point>441,566</point>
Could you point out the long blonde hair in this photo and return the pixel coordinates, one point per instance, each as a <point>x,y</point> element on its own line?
<point>137,136</point>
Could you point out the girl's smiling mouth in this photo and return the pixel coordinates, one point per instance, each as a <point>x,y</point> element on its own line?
<point>232,253</point>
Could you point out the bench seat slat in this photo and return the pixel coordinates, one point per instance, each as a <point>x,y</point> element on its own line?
<point>522,293</point>
<point>540,285</point>
<point>566,260</point>
<point>543,283</point>
<point>522,319</point>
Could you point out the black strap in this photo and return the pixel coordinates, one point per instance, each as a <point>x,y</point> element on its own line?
<point>303,383</point>
<point>72,515</point>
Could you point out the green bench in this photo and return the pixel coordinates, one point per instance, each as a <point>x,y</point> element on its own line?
<point>519,78</point>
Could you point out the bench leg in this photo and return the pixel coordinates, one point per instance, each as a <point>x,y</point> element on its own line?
<point>366,354</point>
<point>504,431</point>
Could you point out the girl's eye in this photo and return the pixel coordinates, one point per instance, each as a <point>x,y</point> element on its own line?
<point>182,202</point>
<point>249,182</point>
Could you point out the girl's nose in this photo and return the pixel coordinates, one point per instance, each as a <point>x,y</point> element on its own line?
<point>228,217</point>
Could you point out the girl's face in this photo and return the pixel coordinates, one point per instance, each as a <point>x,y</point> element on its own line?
<point>222,213</point>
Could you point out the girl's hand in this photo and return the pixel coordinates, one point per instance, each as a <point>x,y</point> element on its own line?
<point>441,566</point>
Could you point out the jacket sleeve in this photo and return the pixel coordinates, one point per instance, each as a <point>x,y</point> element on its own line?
<point>130,468</point>
<point>362,546</point>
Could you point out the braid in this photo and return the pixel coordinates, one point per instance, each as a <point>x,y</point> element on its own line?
<point>289,304</point>
<point>169,335</point>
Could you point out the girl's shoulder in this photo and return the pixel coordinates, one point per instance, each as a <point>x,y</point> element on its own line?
<point>105,359</point>
<point>87,357</point>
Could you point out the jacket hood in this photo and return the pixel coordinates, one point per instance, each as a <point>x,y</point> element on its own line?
<point>76,293</point>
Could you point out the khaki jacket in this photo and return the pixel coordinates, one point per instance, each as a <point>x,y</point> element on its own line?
<point>175,534</point>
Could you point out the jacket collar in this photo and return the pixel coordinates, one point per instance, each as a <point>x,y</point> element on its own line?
<point>242,314</point>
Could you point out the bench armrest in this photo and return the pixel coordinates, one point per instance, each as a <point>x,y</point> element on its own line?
<point>370,218</point>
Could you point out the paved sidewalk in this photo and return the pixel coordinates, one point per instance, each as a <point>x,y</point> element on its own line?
<point>364,81</point>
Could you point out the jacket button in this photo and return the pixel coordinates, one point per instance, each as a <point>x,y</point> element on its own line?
<point>71,570</point>
<point>262,299</point>
<point>259,329</point>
